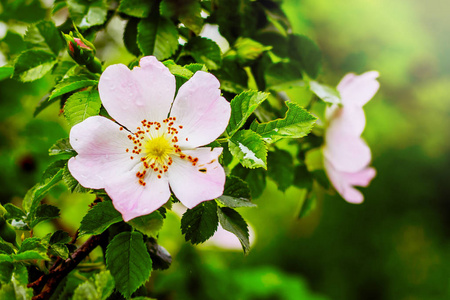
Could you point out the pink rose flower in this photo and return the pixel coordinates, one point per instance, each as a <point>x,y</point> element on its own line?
<point>346,154</point>
<point>155,146</point>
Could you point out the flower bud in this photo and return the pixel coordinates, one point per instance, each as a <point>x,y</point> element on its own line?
<point>83,52</point>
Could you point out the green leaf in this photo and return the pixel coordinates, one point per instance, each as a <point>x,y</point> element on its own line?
<point>43,104</point>
<point>87,13</point>
<point>62,148</point>
<point>236,193</point>
<point>306,53</point>
<point>59,250</point>
<point>246,49</point>
<point>242,106</point>
<point>6,72</point>
<point>32,244</point>
<point>33,64</point>
<point>187,11</point>
<point>327,93</point>
<point>81,106</point>
<point>130,36</point>
<point>149,225</point>
<point>13,212</point>
<point>199,223</point>
<point>44,34</point>
<point>296,124</point>
<point>178,70</point>
<point>232,221</point>
<point>280,168</point>
<point>44,212</point>
<point>99,287</point>
<point>233,77</point>
<point>128,261</point>
<point>283,76</point>
<point>71,84</point>
<point>249,148</point>
<point>51,176</point>
<point>157,36</point>
<point>135,8</point>
<point>6,271</point>
<point>255,178</point>
<point>86,290</point>
<point>204,51</point>
<point>99,218</point>
<point>30,255</point>
<point>73,185</point>
<point>5,248</point>
<point>302,178</point>
<point>308,205</point>
<point>60,236</point>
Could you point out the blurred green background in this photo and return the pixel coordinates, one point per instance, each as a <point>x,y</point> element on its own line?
<point>393,246</point>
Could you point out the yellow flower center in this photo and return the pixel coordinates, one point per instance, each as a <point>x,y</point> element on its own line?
<point>159,149</point>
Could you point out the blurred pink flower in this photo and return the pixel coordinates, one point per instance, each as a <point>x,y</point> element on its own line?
<point>346,154</point>
<point>155,143</point>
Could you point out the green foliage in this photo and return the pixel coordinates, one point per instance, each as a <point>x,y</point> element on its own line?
<point>296,124</point>
<point>204,51</point>
<point>282,76</point>
<point>99,287</point>
<point>157,35</point>
<point>199,223</point>
<point>73,185</point>
<point>86,13</point>
<point>62,148</point>
<point>308,205</point>
<point>44,35</point>
<point>187,11</point>
<point>43,212</point>
<point>13,212</point>
<point>33,64</point>
<point>149,224</point>
<point>304,51</point>
<point>128,261</point>
<point>71,84</point>
<point>280,167</point>
<point>255,178</point>
<point>325,92</point>
<point>99,218</point>
<point>81,106</point>
<point>6,72</point>
<point>135,8</point>
<point>242,106</point>
<point>246,49</point>
<point>249,148</point>
<point>233,222</point>
<point>236,193</point>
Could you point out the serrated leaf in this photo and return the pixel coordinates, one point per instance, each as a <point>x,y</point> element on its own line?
<point>87,13</point>
<point>157,36</point>
<point>44,212</point>
<point>149,225</point>
<point>13,212</point>
<point>86,290</point>
<point>29,255</point>
<point>204,51</point>
<point>51,176</point>
<point>128,261</point>
<point>280,168</point>
<point>303,50</point>
<point>296,124</point>
<point>242,106</point>
<point>255,178</point>
<point>59,250</point>
<point>327,93</point>
<point>135,8</point>
<point>71,84</point>
<point>178,70</point>
<point>5,248</point>
<point>249,148</point>
<point>44,34</point>
<point>60,236</point>
<point>81,106</point>
<point>62,147</point>
<point>73,185</point>
<point>33,64</point>
<point>6,72</point>
<point>232,221</point>
<point>236,193</point>
<point>199,223</point>
<point>32,244</point>
<point>196,67</point>
<point>187,11</point>
<point>99,218</point>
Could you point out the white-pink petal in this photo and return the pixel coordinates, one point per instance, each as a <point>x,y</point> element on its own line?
<point>144,93</point>
<point>193,184</point>
<point>347,153</point>
<point>200,110</point>
<point>349,120</point>
<point>132,199</point>
<point>358,89</point>
<point>101,148</point>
